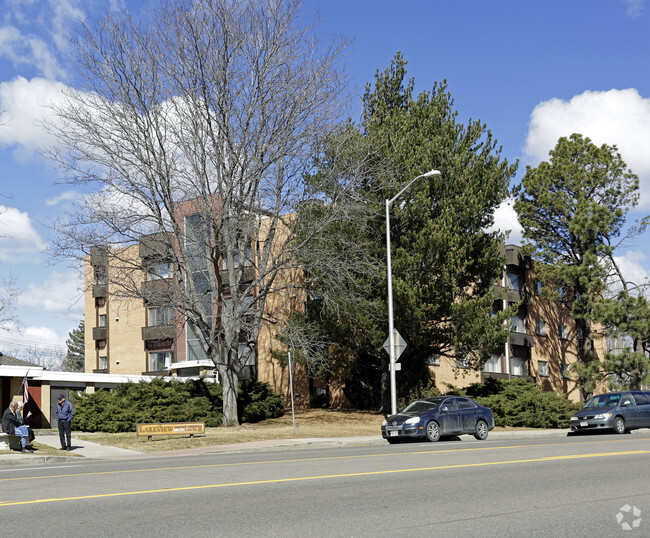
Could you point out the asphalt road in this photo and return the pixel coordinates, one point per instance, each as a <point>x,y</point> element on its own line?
<point>574,486</point>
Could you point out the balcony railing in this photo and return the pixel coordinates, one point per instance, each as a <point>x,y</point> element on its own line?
<point>160,332</point>
<point>100,333</point>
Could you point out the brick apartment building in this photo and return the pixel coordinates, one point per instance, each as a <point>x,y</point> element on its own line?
<point>130,336</point>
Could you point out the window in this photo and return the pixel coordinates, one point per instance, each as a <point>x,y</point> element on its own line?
<point>538,287</point>
<point>160,360</point>
<point>433,360</point>
<point>562,332</point>
<point>160,315</point>
<point>159,270</point>
<point>542,368</point>
<point>519,366</point>
<point>513,281</point>
<point>566,373</point>
<point>102,320</point>
<point>462,360</point>
<point>540,328</point>
<point>103,363</point>
<point>493,364</point>
<point>100,276</point>
<point>517,324</point>
<point>195,350</point>
<point>464,403</point>
<point>450,404</point>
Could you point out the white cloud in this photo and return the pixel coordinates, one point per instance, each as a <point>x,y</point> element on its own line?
<point>24,49</point>
<point>614,117</point>
<point>61,293</point>
<point>18,238</point>
<point>26,104</point>
<point>634,8</point>
<point>505,220</point>
<point>631,265</point>
<point>63,197</point>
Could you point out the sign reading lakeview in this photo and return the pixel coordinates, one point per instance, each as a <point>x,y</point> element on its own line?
<point>171,428</point>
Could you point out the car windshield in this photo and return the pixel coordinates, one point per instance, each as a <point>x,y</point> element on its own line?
<point>603,400</point>
<point>420,407</point>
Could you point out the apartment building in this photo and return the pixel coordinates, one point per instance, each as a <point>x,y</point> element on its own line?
<point>139,333</point>
<point>543,340</point>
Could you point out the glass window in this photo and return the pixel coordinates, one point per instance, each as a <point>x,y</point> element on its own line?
<point>542,368</point>
<point>538,287</point>
<point>540,328</point>
<point>464,403</point>
<point>513,281</point>
<point>102,320</point>
<point>562,332</point>
<point>433,360</point>
<point>566,373</point>
<point>160,315</point>
<point>517,324</point>
<point>103,363</point>
<point>159,270</point>
<point>640,398</point>
<point>462,360</point>
<point>493,364</point>
<point>195,350</point>
<point>519,366</point>
<point>450,404</point>
<point>160,360</point>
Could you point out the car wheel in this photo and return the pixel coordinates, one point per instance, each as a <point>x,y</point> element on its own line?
<point>619,425</point>
<point>433,431</point>
<point>481,430</point>
<point>392,440</point>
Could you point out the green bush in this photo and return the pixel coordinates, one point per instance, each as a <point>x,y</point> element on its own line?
<point>121,409</point>
<point>520,403</point>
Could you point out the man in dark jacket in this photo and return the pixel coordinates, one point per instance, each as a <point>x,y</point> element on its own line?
<point>64,414</point>
<point>12,423</point>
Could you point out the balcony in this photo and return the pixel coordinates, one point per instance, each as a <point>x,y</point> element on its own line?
<point>160,332</point>
<point>152,290</point>
<point>509,294</point>
<point>154,246</point>
<point>100,333</point>
<point>99,291</point>
<point>99,256</point>
<point>522,339</point>
<point>249,274</point>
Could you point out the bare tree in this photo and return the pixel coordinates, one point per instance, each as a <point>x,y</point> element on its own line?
<point>196,125</point>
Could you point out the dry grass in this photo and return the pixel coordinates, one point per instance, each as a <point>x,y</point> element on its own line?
<point>310,423</point>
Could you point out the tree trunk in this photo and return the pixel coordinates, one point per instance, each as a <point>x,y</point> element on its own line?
<point>229,379</point>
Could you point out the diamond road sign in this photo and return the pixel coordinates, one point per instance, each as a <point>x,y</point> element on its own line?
<point>400,344</point>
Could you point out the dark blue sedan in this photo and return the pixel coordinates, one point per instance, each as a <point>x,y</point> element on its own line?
<point>617,411</point>
<point>438,417</point>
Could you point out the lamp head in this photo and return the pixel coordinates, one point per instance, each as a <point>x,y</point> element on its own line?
<point>432,173</point>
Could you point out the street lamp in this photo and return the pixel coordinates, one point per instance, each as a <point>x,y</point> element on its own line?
<point>391,328</point>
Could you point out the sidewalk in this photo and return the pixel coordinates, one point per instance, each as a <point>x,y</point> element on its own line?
<point>87,450</point>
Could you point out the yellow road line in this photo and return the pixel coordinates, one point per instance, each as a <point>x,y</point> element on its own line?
<point>323,477</point>
<point>297,460</point>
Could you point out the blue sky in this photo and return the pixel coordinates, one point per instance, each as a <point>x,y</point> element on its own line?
<point>532,71</point>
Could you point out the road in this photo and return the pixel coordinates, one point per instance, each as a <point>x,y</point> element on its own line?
<point>574,486</point>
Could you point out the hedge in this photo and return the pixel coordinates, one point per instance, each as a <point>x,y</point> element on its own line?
<point>128,404</point>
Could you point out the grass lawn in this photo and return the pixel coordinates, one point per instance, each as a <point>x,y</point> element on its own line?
<point>309,423</point>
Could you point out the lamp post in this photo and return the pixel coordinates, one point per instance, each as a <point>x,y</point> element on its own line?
<point>391,328</point>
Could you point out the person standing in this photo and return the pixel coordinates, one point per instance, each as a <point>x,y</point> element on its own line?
<point>12,423</point>
<point>64,414</point>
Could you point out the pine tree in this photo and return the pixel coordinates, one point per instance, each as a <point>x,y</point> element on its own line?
<point>74,359</point>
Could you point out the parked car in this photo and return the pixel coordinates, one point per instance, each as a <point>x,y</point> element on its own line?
<point>617,411</point>
<point>438,417</point>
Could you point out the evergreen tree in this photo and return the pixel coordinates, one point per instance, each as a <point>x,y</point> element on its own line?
<point>572,210</point>
<point>444,261</point>
<point>74,359</point>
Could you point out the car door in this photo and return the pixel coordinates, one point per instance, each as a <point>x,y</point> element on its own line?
<point>642,408</point>
<point>448,417</point>
<point>627,408</point>
<point>467,411</point>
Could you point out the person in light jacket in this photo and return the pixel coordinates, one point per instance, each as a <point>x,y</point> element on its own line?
<point>64,414</point>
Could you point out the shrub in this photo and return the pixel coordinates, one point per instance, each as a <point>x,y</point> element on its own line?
<point>520,403</point>
<point>128,404</point>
